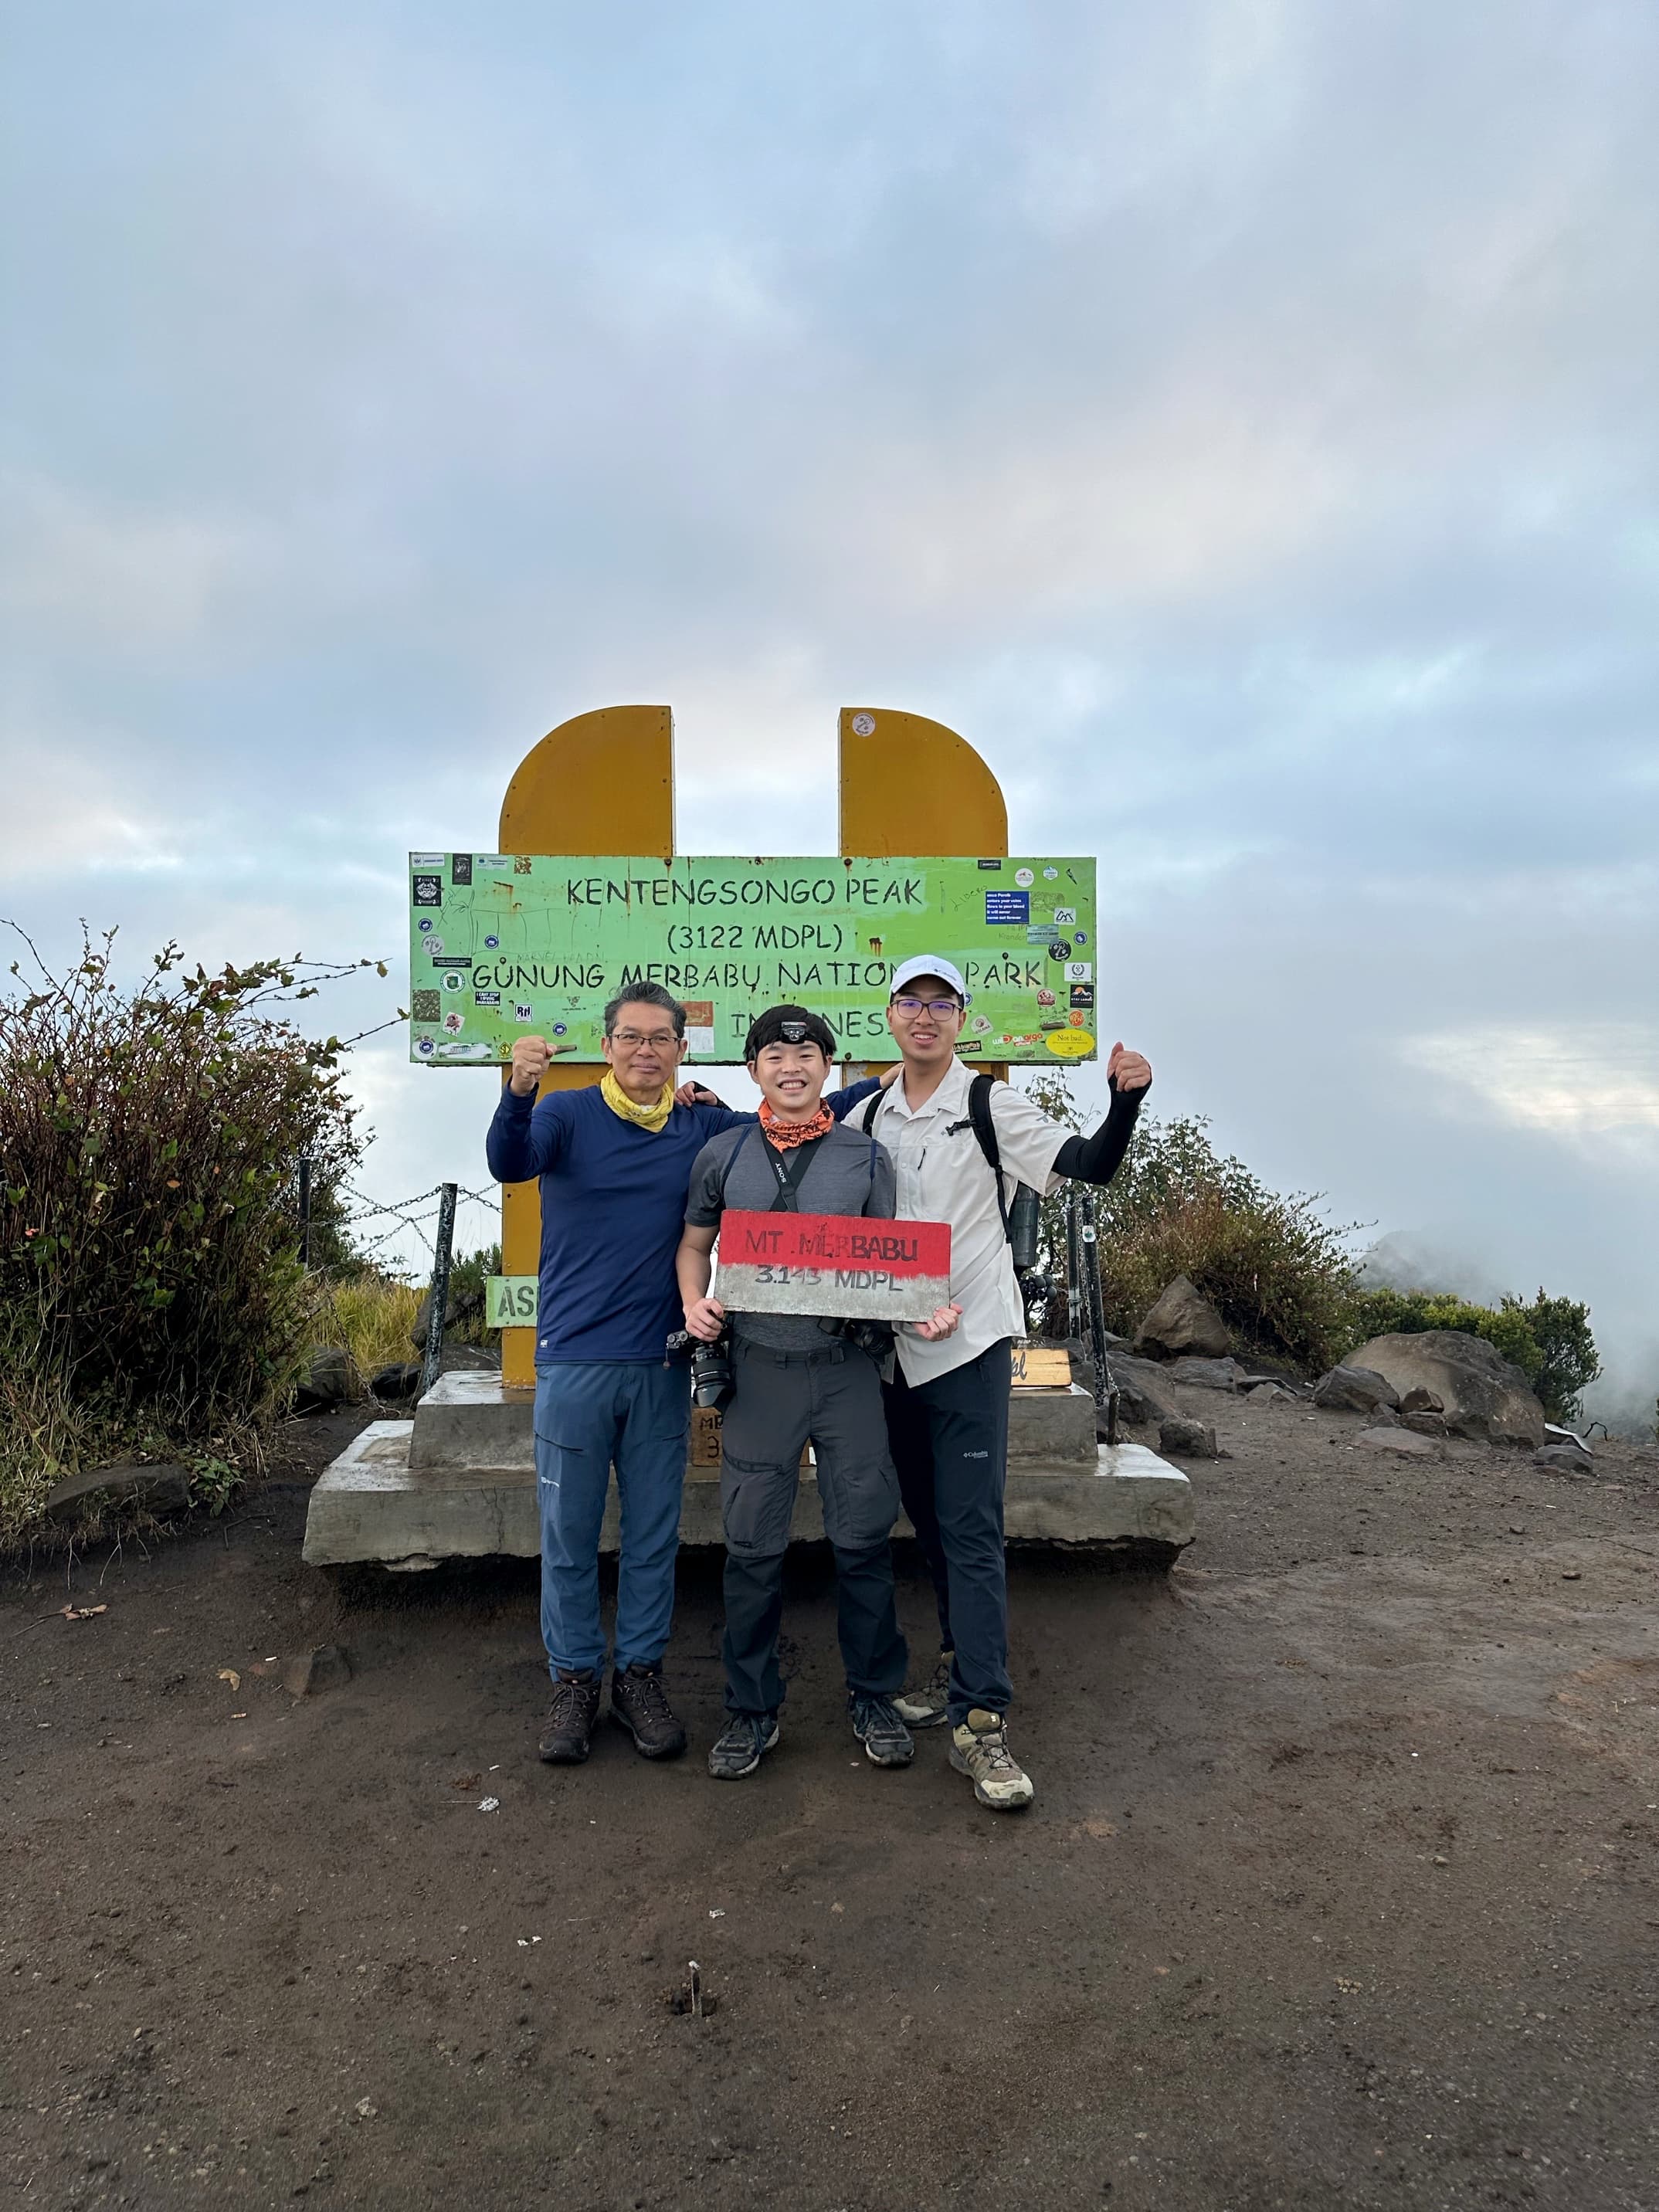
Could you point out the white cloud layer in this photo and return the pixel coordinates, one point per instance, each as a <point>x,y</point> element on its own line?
<point>1235,418</point>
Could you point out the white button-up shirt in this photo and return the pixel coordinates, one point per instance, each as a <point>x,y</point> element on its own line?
<point>942,1175</point>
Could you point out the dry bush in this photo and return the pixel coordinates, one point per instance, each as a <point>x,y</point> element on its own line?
<point>151,1299</point>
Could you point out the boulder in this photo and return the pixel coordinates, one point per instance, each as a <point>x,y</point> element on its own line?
<point>1183,1321</point>
<point>1565,1459</point>
<point>1206,1374</point>
<point>1180,1438</point>
<point>160,1489</point>
<point>1355,1388</point>
<point>1143,1389</point>
<point>1422,1401</point>
<point>330,1381</point>
<point>402,1380</point>
<point>1397,1439</point>
<point>1425,1423</point>
<point>1482,1395</point>
<point>1269,1394</point>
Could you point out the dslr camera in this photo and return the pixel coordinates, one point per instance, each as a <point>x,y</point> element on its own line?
<point>712,1379</point>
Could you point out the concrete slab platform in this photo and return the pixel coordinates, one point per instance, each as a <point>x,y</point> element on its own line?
<point>372,1505</point>
<point>476,1422</point>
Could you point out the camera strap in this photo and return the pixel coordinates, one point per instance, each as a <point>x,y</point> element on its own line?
<point>787,1173</point>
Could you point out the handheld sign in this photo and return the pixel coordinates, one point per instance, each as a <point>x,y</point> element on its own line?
<point>834,1264</point>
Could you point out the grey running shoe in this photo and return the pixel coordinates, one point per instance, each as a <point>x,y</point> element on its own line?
<point>926,1707</point>
<point>745,1742</point>
<point>979,1747</point>
<point>878,1727</point>
<point>640,1703</point>
<point>567,1737</point>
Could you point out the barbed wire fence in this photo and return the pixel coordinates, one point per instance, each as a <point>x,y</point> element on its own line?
<point>413,1220</point>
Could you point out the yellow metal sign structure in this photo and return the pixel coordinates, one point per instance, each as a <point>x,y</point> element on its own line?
<point>603,782</point>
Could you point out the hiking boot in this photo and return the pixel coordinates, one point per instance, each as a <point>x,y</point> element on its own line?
<point>878,1727</point>
<point>568,1737</point>
<point>925,1708</point>
<point>640,1703</point>
<point>745,1742</point>
<point>979,1747</point>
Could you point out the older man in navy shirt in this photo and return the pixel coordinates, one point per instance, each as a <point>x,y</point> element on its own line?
<point>614,1161</point>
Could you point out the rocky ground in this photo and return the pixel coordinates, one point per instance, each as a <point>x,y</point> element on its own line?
<point>1340,1887</point>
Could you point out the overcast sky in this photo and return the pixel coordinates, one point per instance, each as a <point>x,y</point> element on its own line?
<point>1239,421</point>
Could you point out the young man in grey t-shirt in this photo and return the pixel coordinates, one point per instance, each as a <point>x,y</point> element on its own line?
<point>798,1379</point>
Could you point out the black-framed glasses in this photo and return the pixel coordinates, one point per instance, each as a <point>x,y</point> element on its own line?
<point>913,1006</point>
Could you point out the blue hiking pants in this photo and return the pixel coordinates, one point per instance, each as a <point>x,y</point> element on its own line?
<point>591,1415</point>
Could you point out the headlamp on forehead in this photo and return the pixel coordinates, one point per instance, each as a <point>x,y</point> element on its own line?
<point>789,1025</point>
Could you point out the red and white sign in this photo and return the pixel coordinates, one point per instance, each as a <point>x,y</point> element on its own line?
<point>833,1264</point>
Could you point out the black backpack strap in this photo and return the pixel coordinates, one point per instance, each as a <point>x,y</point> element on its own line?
<point>979,1115</point>
<point>870,1108</point>
<point>732,1161</point>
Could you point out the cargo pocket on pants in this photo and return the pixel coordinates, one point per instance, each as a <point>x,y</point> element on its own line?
<point>757,1502</point>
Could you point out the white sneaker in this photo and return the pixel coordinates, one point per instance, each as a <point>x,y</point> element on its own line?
<point>926,1707</point>
<point>979,1747</point>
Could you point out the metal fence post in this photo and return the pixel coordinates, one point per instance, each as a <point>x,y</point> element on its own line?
<point>440,1301</point>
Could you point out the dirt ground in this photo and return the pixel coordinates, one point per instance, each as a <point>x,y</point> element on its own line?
<point>1340,1887</point>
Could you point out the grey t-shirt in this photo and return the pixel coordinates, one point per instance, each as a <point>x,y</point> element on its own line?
<point>846,1174</point>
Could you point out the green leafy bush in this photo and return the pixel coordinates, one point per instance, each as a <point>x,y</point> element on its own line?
<point>151,1297</point>
<point>1278,1272</point>
<point>1549,1340</point>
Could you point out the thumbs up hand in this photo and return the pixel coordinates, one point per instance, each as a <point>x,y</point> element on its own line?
<point>1127,1070</point>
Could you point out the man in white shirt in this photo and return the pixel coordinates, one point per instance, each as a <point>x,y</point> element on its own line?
<point>947,1407</point>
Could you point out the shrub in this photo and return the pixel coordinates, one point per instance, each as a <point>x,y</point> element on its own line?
<point>1278,1273</point>
<point>1549,1340</point>
<point>151,1299</point>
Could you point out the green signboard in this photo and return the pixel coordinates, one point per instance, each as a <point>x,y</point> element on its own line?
<point>510,1301</point>
<point>504,945</point>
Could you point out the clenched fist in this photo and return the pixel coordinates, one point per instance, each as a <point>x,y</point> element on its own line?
<point>532,1057</point>
<point>1129,1071</point>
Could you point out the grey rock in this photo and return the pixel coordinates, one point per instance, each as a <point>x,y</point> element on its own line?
<point>1181,1438</point>
<point>309,1673</point>
<point>1420,1400</point>
<point>330,1380</point>
<point>1482,1395</point>
<point>1565,1459</point>
<point>1183,1321</point>
<point>1143,1388</point>
<point>1267,1394</point>
<point>160,1489</point>
<point>1354,1387</point>
<point>1395,1440</point>
<point>401,1380</point>
<point>1206,1374</point>
<point>1423,1424</point>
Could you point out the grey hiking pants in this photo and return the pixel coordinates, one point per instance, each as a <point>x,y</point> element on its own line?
<point>783,1400</point>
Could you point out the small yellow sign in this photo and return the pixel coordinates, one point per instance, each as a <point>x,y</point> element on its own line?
<point>1070,1044</point>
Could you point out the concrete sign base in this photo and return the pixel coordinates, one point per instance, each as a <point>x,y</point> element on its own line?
<point>458,1481</point>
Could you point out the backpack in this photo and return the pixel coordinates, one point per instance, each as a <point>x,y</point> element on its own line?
<point>1019,1221</point>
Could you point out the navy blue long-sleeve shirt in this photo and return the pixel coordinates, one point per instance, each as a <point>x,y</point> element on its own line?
<point>613,1204</point>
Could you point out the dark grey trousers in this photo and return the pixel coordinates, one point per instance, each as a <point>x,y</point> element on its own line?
<point>783,1400</point>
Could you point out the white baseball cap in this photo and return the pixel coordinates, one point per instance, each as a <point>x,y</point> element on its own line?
<point>928,963</point>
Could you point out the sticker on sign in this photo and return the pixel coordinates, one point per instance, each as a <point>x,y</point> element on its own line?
<point>833,1264</point>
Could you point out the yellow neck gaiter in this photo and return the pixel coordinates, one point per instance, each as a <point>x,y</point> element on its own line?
<point>642,1117</point>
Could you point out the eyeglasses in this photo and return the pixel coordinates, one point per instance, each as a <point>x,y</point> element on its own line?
<point>911,1007</point>
<point>631,1039</point>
